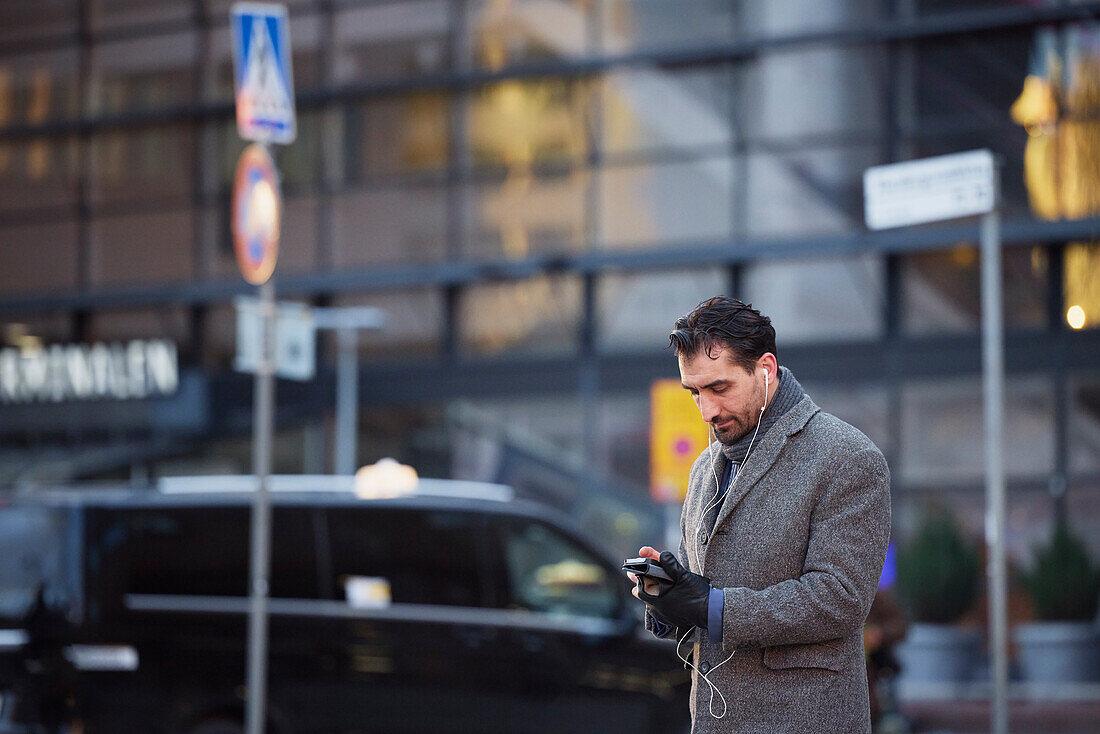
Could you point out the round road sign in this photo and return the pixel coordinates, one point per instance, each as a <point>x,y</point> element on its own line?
<point>257,210</point>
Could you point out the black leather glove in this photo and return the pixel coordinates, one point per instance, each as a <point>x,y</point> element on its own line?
<point>685,603</point>
<point>655,615</point>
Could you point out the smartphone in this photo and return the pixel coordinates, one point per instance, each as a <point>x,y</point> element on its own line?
<point>646,567</point>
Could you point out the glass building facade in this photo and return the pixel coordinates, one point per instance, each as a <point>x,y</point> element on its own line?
<point>533,190</point>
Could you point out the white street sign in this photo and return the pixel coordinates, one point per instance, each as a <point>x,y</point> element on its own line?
<point>295,339</point>
<point>929,190</point>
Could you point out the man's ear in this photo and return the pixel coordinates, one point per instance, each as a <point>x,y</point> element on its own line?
<point>769,364</point>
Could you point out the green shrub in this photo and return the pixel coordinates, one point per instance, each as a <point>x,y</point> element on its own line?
<point>938,571</point>
<point>1063,584</point>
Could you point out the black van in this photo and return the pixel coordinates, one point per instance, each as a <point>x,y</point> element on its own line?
<point>455,609</point>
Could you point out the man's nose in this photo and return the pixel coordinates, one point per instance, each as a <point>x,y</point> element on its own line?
<point>708,407</point>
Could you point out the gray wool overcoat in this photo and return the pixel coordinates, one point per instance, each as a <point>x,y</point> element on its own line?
<point>798,547</point>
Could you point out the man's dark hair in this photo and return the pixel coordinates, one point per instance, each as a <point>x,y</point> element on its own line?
<point>726,323</point>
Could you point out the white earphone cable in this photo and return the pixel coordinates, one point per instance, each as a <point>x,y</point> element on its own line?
<point>706,676</point>
<point>719,497</point>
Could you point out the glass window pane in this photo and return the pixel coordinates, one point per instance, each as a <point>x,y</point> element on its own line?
<point>114,14</point>
<point>389,225</point>
<point>170,551</point>
<point>802,193</point>
<point>37,174</point>
<point>819,299</point>
<point>395,135</point>
<point>941,291</point>
<point>518,123</point>
<point>526,31</point>
<point>142,163</point>
<point>414,323</point>
<point>1084,424</point>
<point>1083,509</point>
<point>219,337</point>
<point>28,331</point>
<point>391,39</point>
<point>443,567</point>
<point>297,236</point>
<point>151,323</point>
<point>229,149</point>
<point>151,72</point>
<point>153,247</point>
<point>809,96</point>
<point>622,436</point>
<point>962,90</point>
<point>638,310</point>
<point>299,164</point>
<point>536,316</point>
<point>38,87</point>
<point>941,431</point>
<point>663,204</point>
<point>525,215</point>
<point>632,25</point>
<point>38,257</point>
<point>549,573</point>
<point>555,422</point>
<point>1082,285</point>
<point>22,20</point>
<point>781,17</point>
<point>665,110</point>
<point>201,551</point>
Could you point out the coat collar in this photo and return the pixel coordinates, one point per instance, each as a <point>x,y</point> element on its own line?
<point>764,454</point>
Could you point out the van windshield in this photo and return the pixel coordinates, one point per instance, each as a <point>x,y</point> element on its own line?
<point>30,559</point>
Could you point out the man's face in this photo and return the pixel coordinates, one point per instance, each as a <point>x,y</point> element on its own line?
<point>728,396</point>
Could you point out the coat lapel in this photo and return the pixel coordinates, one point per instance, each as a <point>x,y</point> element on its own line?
<point>765,453</point>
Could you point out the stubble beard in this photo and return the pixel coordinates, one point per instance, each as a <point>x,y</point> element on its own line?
<point>734,433</point>
<point>742,425</point>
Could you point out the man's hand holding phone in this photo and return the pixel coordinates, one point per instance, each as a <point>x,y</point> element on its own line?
<point>672,594</point>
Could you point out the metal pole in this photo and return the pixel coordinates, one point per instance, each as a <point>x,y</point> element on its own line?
<point>347,399</point>
<point>993,383</point>
<point>263,400</point>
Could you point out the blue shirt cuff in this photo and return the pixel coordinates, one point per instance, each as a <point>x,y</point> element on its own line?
<point>714,615</point>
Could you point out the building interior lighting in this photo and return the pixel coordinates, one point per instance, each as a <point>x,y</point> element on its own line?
<point>1075,317</point>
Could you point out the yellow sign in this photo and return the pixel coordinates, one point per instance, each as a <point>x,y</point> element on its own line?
<point>677,435</point>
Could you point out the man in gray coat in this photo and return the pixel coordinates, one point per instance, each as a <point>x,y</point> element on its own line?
<point>783,537</point>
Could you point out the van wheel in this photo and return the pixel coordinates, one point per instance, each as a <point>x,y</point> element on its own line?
<point>217,726</point>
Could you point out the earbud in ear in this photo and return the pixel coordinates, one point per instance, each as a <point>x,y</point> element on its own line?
<point>766,378</point>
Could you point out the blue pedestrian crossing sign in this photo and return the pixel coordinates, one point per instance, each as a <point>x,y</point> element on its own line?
<point>262,72</point>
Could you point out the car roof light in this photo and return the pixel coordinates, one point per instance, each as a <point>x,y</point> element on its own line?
<point>386,478</point>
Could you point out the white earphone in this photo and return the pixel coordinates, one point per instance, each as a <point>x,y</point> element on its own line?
<point>698,528</point>
<point>765,392</point>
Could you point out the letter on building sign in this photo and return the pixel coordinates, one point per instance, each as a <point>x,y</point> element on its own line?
<point>9,375</point>
<point>139,369</point>
<point>78,360</point>
<point>162,361</point>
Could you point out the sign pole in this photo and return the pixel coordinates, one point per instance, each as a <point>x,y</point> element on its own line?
<point>932,190</point>
<point>993,389</point>
<point>347,322</point>
<point>264,83</point>
<point>263,410</point>
<point>347,399</point>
